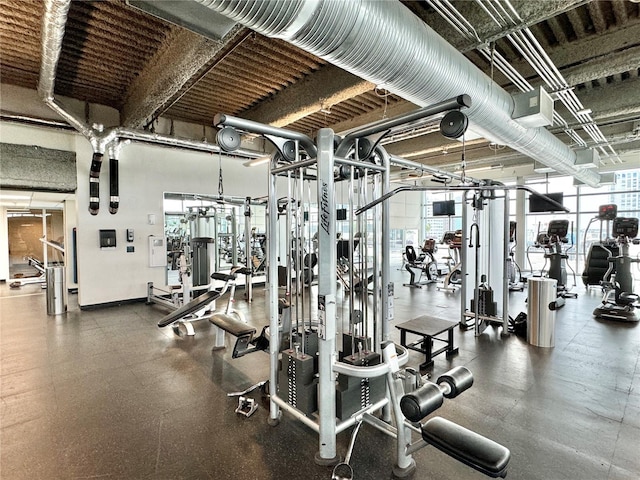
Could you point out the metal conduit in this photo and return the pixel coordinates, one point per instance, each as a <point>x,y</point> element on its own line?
<point>53,27</point>
<point>384,43</point>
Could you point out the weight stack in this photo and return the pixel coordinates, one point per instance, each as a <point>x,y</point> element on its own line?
<point>310,344</point>
<point>486,305</point>
<point>297,383</point>
<point>354,394</point>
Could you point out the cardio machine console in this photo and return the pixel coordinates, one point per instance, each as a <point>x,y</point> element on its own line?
<point>607,212</point>
<point>429,246</point>
<point>558,228</point>
<point>625,227</point>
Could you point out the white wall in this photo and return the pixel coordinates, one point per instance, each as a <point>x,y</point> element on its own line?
<point>146,172</point>
<point>4,245</point>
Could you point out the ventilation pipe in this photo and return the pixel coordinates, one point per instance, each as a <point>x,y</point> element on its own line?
<point>94,183</point>
<point>114,180</point>
<point>386,44</point>
<point>53,27</point>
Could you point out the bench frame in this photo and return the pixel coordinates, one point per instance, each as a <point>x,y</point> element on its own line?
<point>429,329</point>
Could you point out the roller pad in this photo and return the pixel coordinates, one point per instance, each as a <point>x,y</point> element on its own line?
<point>223,276</point>
<point>470,448</point>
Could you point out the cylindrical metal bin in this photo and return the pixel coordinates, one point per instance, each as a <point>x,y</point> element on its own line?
<point>56,303</point>
<point>541,319</point>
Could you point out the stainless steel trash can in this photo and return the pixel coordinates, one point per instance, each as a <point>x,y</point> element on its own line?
<point>56,303</point>
<point>541,319</point>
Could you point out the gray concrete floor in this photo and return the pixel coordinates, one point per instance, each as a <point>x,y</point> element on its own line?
<point>106,394</point>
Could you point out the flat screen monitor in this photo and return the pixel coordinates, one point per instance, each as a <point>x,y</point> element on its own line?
<point>444,208</point>
<point>538,203</point>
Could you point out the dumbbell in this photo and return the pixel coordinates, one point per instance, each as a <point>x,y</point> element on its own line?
<point>430,396</point>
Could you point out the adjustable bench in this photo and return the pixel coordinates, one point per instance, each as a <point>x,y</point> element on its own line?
<point>245,343</point>
<point>470,448</point>
<point>189,308</point>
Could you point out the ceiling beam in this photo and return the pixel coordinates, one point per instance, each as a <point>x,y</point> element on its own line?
<point>603,66</point>
<point>584,53</point>
<point>319,90</point>
<point>530,12</point>
<point>177,65</point>
<point>620,99</point>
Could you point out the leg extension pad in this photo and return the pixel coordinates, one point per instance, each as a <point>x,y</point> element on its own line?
<point>470,448</point>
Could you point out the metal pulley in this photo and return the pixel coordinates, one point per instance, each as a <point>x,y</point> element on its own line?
<point>228,139</point>
<point>454,124</point>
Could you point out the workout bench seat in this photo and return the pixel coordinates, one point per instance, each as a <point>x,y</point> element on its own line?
<point>189,308</point>
<point>243,332</point>
<point>466,446</point>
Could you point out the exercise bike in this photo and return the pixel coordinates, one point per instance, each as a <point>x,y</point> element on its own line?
<point>624,302</point>
<point>453,278</point>
<point>425,263</point>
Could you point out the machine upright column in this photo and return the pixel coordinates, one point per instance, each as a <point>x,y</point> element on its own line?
<point>327,264</point>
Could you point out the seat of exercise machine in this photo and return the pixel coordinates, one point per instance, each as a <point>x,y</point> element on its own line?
<point>283,304</point>
<point>237,328</point>
<point>412,256</point>
<point>342,248</point>
<point>188,308</point>
<point>466,446</point>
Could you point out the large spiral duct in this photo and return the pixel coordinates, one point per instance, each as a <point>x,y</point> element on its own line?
<point>384,43</point>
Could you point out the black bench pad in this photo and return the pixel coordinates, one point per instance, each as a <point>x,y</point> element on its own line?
<point>235,327</point>
<point>225,277</point>
<point>468,447</point>
<point>189,308</point>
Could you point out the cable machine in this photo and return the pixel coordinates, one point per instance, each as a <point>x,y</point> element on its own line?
<point>314,387</point>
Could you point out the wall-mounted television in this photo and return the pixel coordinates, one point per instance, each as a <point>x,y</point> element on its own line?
<point>444,208</point>
<point>538,203</point>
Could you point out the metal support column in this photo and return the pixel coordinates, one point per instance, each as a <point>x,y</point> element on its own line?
<point>272,282</point>
<point>327,264</point>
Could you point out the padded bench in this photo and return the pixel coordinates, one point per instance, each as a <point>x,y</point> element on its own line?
<point>466,446</point>
<point>189,308</point>
<point>242,331</point>
<point>428,328</point>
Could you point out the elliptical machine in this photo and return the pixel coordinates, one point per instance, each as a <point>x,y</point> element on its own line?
<point>597,266</point>
<point>557,235</point>
<point>453,278</point>
<point>624,302</point>
<point>516,282</point>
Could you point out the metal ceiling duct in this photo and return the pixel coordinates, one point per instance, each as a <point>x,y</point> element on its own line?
<point>53,27</point>
<point>386,44</point>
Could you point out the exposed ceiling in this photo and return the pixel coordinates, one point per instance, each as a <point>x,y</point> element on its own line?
<point>148,68</point>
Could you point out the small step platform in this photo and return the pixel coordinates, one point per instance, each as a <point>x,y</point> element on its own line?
<point>466,446</point>
<point>428,329</point>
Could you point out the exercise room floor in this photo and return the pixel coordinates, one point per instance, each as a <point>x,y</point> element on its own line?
<point>106,394</point>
